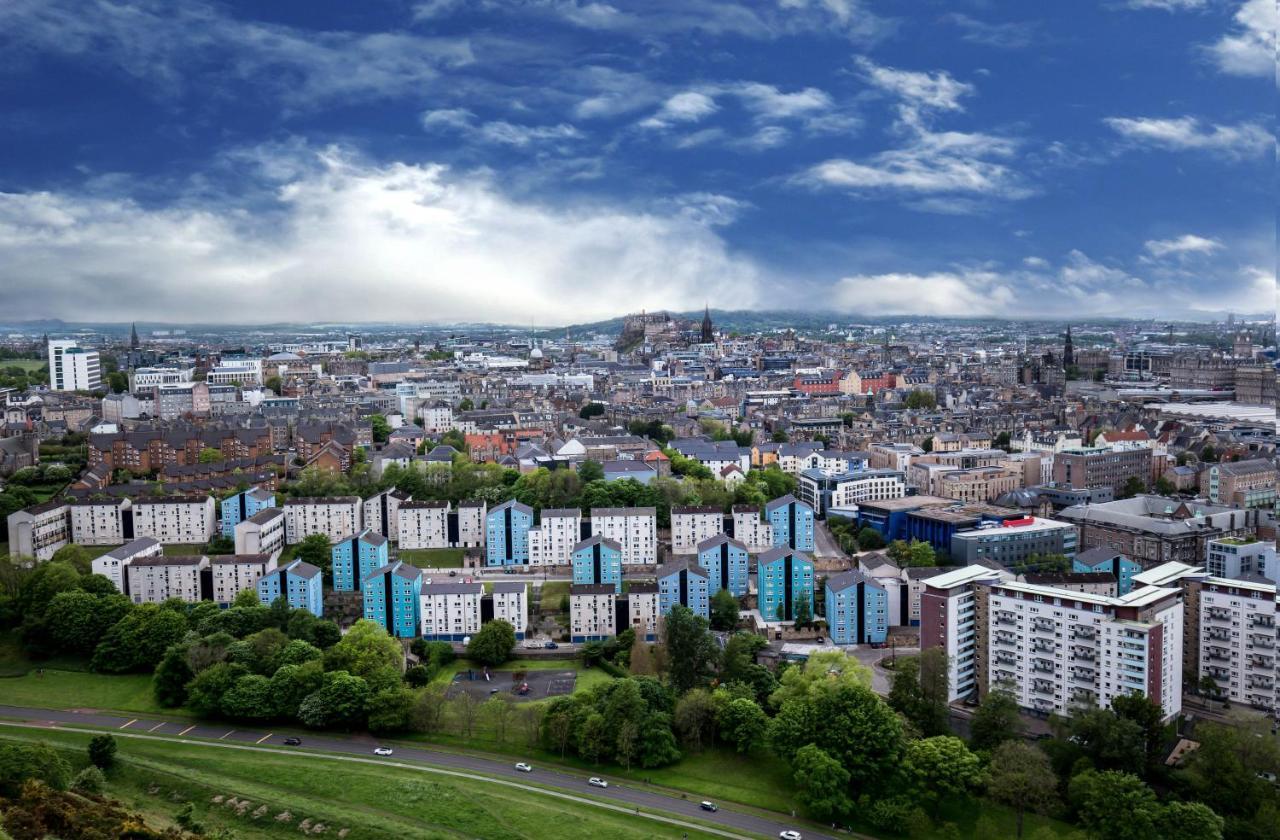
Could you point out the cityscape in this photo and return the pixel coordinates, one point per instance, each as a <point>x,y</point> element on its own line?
<point>695,419</point>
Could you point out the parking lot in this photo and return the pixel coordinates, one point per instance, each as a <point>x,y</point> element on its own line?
<point>542,684</point>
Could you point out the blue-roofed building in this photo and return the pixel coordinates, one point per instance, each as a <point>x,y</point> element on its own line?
<point>792,522</point>
<point>727,563</point>
<point>857,609</point>
<point>241,506</point>
<point>784,578</point>
<point>392,597</point>
<point>684,583</point>
<point>507,534</point>
<point>937,525</point>
<point>356,557</point>
<point>1104,559</point>
<point>596,561</point>
<point>298,582</point>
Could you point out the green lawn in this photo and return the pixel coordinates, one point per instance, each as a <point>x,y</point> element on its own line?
<point>372,802</point>
<point>183,549</point>
<point>553,592</point>
<point>433,558</point>
<point>62,689</point>
<point>28,365</point>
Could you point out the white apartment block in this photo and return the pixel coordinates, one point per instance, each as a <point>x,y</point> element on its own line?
<point>153,580</point>
<point>423,524</point>
<point>1237,643</point>
<point>869,486</point>
<point>949,619</point>
<point>72,368</point>
<point>262,533</point>
<point>245,371</point>
<point>692,525</point>
<point>552,542</point>
<point>750,530</point>
<point>435,418</point>
<point>591,611</point>
<point>381,512</point>
<point>642,608</point>
<point>1061,650</point>
<point>40,530</point>
<point>335,517</point>
<point>635,529</point>
<point>174,519</point>
<point>471,524</point>
<point>451,609</point>
<point>114,564</point>
<point>234,573</point>
<point>146,378</point>
<point>98,522</point>
<point>511,604</point>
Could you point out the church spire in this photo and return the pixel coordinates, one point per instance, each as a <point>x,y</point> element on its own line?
<point>1068,350</point>
<point>133,337</point>
<point>708,335</point>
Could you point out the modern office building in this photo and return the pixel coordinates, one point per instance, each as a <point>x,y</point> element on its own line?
<point>73,368</point>
<point>391,596</point>
<point>857,609</point>
<point>1014,541</point>
<point>683,582</point>
<point>507,534</point>
<point>727,563</point>
<point>792,523</point>
<point>784,578</point>
<point>597,560</point>
<point>355,557</point>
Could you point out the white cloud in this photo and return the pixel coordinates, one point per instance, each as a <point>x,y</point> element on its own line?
<point>393,242</point>
<point>1166,5</point>
<point>499,132</point>
<point>769,102</point>
<point>685,107</point>
<point>1011,35</point>
<point>1188,133</point>
<point>918,91</point>
<point>1035,262</point>
<point>1250,48</point>
<point>454,118</point>
<point>1188,243</point>
<point>948,294</point>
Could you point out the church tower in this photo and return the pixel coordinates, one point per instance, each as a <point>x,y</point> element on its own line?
<point>708,337</point>
<point>1068,350</point>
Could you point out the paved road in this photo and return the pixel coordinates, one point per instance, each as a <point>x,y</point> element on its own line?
<point>734,823</point>
<point>824,543</point>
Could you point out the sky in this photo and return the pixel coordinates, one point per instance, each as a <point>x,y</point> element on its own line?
<point>559,161</point>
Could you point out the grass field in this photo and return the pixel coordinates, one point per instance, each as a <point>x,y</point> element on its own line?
<point>27,365</point>
<point>370,801</point>
<point>183,549</point>
<point>55,688</point>
<point>433,558</point>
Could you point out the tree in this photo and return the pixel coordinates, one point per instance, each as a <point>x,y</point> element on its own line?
<point>941,767</point>
<point>780,436</point>
<point>390,710</point>
<point>1165,487</point>
<point>169,682</point>
<point>291,684</point>
<point>695,718</point>
<point>916,694</point>
<point>380,428</point>
<point>138,641</point>
<point>315,549</point>
<point>591,409</point>
<point>724,610</point>
<point>1132,487</point>
<point>589,471</point>
<point>918,400</point>
<point>803,611</point>
<point>83,618</point>
<point>209,455</point>
<point>274,384</point>
<point>1208,454</point>
<point>364,649</point>
<point>249,699</point>
<point>1021,777</point>
<point>205,692</point>
<point>102,751</point>
<point>493,644</point>
<point>927,444</point>
<point>691,650</point>
<point>995,721</point>
<point>1149,717</point>
<point>340,702</point>
<point>1112,805</point>
<point>911,554</point>
<point>1188,821</point>
<point>118,382</point>
<point>822,785</point>
<point>869,539</point>
<point>90,781</point>
<point>22,762</point>
<point>743,724</point>
<point>1109,741</point>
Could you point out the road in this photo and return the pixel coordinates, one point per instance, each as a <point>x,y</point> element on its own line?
<point>649,802</point>
<point>824,543</point>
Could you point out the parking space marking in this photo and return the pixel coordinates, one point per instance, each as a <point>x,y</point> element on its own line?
<point>126,724</point>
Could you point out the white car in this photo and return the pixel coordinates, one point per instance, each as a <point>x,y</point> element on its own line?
<point>524,768</point>
<point>596,781</point>
<point>382,751</point>
<point>789,835</point>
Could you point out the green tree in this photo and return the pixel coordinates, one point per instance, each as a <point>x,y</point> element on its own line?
<point>1109,741</point>
<point>1209,454</point>
<point>102,751</point>
<point>589,471</point>
<point>169,682</point>
<point>205,692</point>
<point>274,384</point>
<point>390,710</point>
<point>209,455</point>
<point>1165,487</point>
<point>364,649</point>
<point>1189,821</point>
<point>118,382</point>
<point>249,699</point>
<point>82,619</point>
<point>995,721</point>
<point>493,644</point>
<point>917,694</point>
<point>339,703</point>
<point>695,718</point>
<point>822,785</point>
<point>743,724</point>
<point>1021,778</point>
<point>911,554</point>
<point>918,400</point>
<point>1149,717</point>
<point>316,550</point>
<point>138,641</point>
<point>941,767</point>
<point>291,684</point>
<point>1132,487</point>
<point>22,762</point>
<point>691,650</point>
<point>380,428</point>
<point>869,539</point>
<point>1112,805</point>
<point>591,409</point>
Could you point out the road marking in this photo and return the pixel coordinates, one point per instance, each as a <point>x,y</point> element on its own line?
<point>225,734</point>
<point>188,729</point>
<point>264,737</point>
<point>629,810</point>
<point>124,725</point>
<point>157,726</point>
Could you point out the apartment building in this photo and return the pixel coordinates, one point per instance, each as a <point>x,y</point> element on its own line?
<point>155,579</point>
<point>592,615</point>
<point>1237,643</point>
<point>334,516</point>
<point>1014,541</point>
<point>262,533</point>
<point>507,534</point>
<point>382,512</point>
<point>355,557</point>
<point>1106,561</point>
<point>784,578</point>
<point>634,529</point>
<point>949,619</point>
<point>1241,484</point>
<point>824,491</point>
<point>980,484</point>
<point>391,596</point>
<point>750,529</point>
<point>422,524</point>
<point>236,509</point>
<point>638,609</point>
<point>471,523</point>
<point>598,560</point>
<point>114,565</point>
<point>857,609</point>
<point>40,530</point>
<point>450,611</point>
<point>792,523</point>
<point>692,525</point>
<point>73,368</point>
<point>298,582</point>
<point>683,582</point>
<point>727,563</point>
<point>1238,557</point>
<point>1110,467</point>
<point>552,542</point>
<point>509,602</point>
<point>234,573</point>
<point>175,519</point>
<point>99,521</point>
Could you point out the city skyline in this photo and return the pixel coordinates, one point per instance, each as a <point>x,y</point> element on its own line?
<point>569,162</point>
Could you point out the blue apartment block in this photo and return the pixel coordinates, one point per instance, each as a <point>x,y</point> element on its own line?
<point>784,578</point>
<point>298,582</point>
<point>685,583</point>
<point>392,597</point>
<point>356,557</point>
<point>857,610</point>
<point>1103,559</point>
<point>597,560</point>
<point>792,522</point>
<point>238,508</point>
<point>507,534</point>
<point>727,563</point>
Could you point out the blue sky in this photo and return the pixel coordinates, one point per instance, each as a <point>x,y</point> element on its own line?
<point>555,161</point>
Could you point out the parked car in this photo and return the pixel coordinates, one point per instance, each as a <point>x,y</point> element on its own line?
<point>293,742</point>
<point>382,751</point>
<point>453,574</point>
<point>551,646</point>
<point>596,781</point>
<point>789,835</point>
<point>524,768</point>
<point>708,806</point>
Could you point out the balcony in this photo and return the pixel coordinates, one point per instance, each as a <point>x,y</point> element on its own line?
<point>1219,634</point>
<point>1042,687</point>
<point>1084,675</point>
<point>1260,640</point>
<point>1218,673</point>
<point>1081,632</point>
<point>1006,617</point>
<point>1041,705</point>
<point>1261,622</point>
<point>1084,695</point>
<point>1006,639</point>
<point>1218,614</point>
<point>1217,654</point>
<point>1043,625</point>
<point>1043,646</point>
<point>1260,661</point>
<point>1085,654</point>
<point>1003,658</point>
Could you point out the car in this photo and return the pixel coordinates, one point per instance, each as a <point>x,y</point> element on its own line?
<point>596,781</point>
<point>524,768</point>
<point>551,646</point>
<point>494,690</point>
<point>789,835</point>
<point>822,640</point>
<point>293,742</point>
<point>382,751</point>
<point>453,574</point>
<point>709,806</point>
